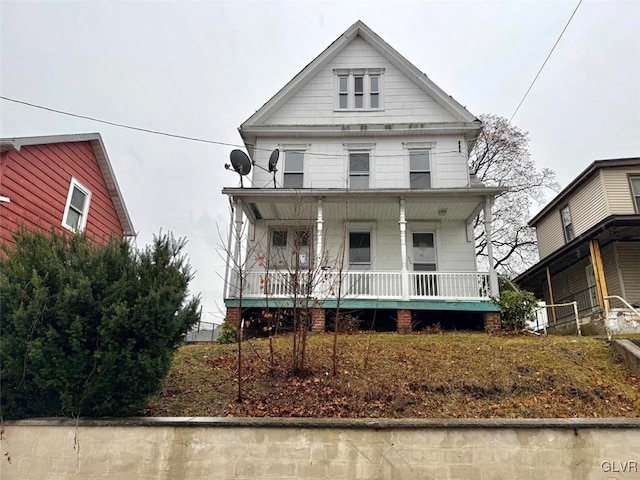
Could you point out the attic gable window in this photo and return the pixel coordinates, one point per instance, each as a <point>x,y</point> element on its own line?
<point>567,224</point>
<point>77,207</point>
<point>358,89</point>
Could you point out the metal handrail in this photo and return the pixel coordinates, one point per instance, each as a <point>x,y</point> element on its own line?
<point>606,311</point>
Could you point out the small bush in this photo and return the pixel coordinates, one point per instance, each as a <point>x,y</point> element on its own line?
<point>227,334</point>
<point>87,329</point>
<point>516,308</point>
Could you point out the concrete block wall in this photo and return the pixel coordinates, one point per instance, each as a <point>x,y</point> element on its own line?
<point>226,448</point>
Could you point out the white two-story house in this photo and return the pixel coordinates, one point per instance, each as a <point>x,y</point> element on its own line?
<point>371,204</point>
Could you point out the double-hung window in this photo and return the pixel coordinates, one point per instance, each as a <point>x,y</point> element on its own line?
<point>293,169</point>
<point>358,91</point>
<point>360,248</point>
<point>419,169</point>
<point>567,224</point>
<point>374,91</point>
<point>77,207</point>
<point>359,170</point>
<point>635,191</point>
<point>343,92</point>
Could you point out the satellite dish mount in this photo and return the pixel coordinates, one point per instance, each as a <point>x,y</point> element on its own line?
<point>240,162</point>
<point>273,161</point>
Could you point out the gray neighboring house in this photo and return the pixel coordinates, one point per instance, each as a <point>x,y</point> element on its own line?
<point>589,246</point>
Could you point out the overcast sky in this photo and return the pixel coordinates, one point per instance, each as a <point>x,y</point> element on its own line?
<point>201,68</point>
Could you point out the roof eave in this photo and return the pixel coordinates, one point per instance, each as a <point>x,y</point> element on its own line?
<point>579,180</point>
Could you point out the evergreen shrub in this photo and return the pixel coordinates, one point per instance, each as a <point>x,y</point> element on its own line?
<point>89,329</point>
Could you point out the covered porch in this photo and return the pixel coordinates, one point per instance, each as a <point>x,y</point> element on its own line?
<point>397,271</point>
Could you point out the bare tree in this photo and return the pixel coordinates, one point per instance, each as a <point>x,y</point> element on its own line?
<point>501,158</point>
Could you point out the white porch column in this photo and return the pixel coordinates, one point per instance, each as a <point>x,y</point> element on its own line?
<point>238,248</point>
<point>493,276</point>
<point>403,251</point>
<point>319,244</point>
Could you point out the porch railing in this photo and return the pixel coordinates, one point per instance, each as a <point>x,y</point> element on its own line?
<point>366,285</point>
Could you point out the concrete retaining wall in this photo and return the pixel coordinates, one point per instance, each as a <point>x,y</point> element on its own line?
<point>215,448</point>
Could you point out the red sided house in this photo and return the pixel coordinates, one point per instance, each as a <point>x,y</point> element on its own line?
<point>60,181</point>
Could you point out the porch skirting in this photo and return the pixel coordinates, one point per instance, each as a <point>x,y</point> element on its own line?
<point>442,305</point>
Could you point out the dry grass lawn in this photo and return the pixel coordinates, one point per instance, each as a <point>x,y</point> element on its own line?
<point>465,375</point>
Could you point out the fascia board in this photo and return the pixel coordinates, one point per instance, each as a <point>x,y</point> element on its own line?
<point>112,185</point>
<point>293,86</point>
<point>310,194</point>
<point>354,129</point>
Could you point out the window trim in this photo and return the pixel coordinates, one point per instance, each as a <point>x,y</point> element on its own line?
<point>417,147</point>
<point>368,264</point>
<point>569,225</point>
<point>302,149</point>
<point>67,207</point>
<point>635,196</point>
<point>350,148</point>
<point>360,174</point>
<point>417,229</point>
<point>350,74</point>
<point>428,170</point>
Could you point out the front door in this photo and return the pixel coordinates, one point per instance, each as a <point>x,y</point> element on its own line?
<point>592,294</point>
<point>424,260</point>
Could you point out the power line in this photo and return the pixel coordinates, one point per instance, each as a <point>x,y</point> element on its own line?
<point>121,125</point>
<point>184,137</point>
<point>545,62</point>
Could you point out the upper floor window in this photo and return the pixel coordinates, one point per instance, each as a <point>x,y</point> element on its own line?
<point>635,190</point>
<point>567,224</point>
<point>419,169</point>
<point>359,89</point>
<point>77,207</point>
<point>359,170</point>
<point>293,169</point>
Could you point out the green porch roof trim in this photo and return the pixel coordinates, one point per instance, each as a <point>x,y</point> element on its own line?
<point>457,306</point>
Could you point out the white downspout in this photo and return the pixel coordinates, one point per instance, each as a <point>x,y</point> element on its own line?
<point>319,224</point>
<point>225,287</point>
<point>403,250</point>
<point>236,253</point>
<point>493,276</point>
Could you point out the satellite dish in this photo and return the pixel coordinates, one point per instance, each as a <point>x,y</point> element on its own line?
<point>273,161</point>
<point>240,163</point>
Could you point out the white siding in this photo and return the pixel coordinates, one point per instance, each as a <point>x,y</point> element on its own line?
<point>619,197</point>
<point>454,253</point>
<point>403,100</point>
<point>326,162</point>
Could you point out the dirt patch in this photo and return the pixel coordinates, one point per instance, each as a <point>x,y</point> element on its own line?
<point>468,375</point>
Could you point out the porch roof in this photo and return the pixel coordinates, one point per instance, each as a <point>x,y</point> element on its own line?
<point>378,204</point>
<point>612,228</point>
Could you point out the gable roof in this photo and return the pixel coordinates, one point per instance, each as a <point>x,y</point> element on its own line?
<point>99,150</point>
<point>359,29</point>
<point>579,180</point>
